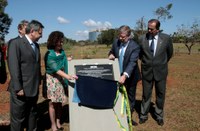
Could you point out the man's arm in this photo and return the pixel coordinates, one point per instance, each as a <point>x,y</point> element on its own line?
<point>15,65</point>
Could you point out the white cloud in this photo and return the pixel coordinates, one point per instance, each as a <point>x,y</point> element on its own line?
<point>90,23</point>
<point>107,24</point>
<point>62,20</point>
<point>82,34</point>
<point>94,25</point>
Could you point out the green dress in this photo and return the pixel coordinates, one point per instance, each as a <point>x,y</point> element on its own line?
<point>56,85</point>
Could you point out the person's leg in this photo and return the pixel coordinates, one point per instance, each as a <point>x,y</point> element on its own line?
<point>58,114</point>
<point>131,96</point>
<point>17,111</point>
<point>32,113</point>
<point>52,116</point>
<point>160,88</point>
<point>131,91</point>
<point>146,98</point>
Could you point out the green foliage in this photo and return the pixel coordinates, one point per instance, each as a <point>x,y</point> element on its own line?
<point>186,34</point>
<point>68,43</point>
<point>67,46</point>
<point>189,35</point>
<point>68,40</point>
<point>5,20</point>
<point>3,4</point>
<point>107,37</point>
<point>164,12</point>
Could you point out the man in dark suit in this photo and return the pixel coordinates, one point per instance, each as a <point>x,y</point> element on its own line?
<point>25,72</point>
<point>22,31</point>
<point>127,52</point>
<point>156,51</point>
<point>22,28</point>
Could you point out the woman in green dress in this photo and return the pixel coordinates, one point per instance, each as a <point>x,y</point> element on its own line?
<point>56,64</point>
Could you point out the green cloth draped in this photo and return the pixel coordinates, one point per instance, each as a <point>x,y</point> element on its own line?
<point>54,63</point>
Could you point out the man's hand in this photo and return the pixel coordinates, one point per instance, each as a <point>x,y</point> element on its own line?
<point>111,57</point>
<point>122,79</point>
<point>20,93</point>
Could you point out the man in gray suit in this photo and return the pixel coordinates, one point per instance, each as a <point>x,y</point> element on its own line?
<point>22,31</point>
<point>25,72</point>
<point>22,28</point>
<point>127,52</point>
<point>156,51</point>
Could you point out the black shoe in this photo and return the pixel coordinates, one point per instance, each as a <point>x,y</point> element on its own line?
<point>160,122</point>
<point>142,120</point>
<point>134,123</point>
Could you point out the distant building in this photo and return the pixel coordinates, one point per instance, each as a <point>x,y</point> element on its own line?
<point>93,35</point>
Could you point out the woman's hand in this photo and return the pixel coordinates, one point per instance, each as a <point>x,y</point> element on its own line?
<point>70,58</point>
<point>73,77</point>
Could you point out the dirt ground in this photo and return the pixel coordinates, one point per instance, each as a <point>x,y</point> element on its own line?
<point>4,106</point>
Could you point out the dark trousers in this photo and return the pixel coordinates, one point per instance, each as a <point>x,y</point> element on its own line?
<point>160,89</point>
<point>23,112</point>
<point>131,91</point>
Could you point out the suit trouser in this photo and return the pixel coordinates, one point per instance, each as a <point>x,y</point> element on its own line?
<point>160,89</point>
<point>23,112</point>
<point>131,91</point>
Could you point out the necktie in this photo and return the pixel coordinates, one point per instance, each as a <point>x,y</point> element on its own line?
<point>152,46</point>
<point>121,59</point>
<point>33,46</point>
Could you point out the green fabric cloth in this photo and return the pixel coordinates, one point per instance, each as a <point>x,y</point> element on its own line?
<point>54,63</point>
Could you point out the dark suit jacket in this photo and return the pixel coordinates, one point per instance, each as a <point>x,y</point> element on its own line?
<point>156,66</point>
<point>10,41</point>
<point>24,66</point>
<point>130,63</point>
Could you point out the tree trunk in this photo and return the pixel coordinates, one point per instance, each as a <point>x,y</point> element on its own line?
<point>189,47</point>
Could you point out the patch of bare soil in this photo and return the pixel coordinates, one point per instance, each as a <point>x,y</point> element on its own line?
<point>4,105</point>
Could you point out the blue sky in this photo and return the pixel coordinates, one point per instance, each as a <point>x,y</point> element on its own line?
<point>75,18</point>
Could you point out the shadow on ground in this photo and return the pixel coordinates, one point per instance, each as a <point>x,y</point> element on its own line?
<point>43,117</point>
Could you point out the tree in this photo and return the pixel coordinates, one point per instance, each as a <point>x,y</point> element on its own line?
<point>5,20</point>
<point>3,4</point>
<point>163,13</point>
<point>107,36</point>
<point>141,25</point>
<point>140,28</point>
<point>189,35</point>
